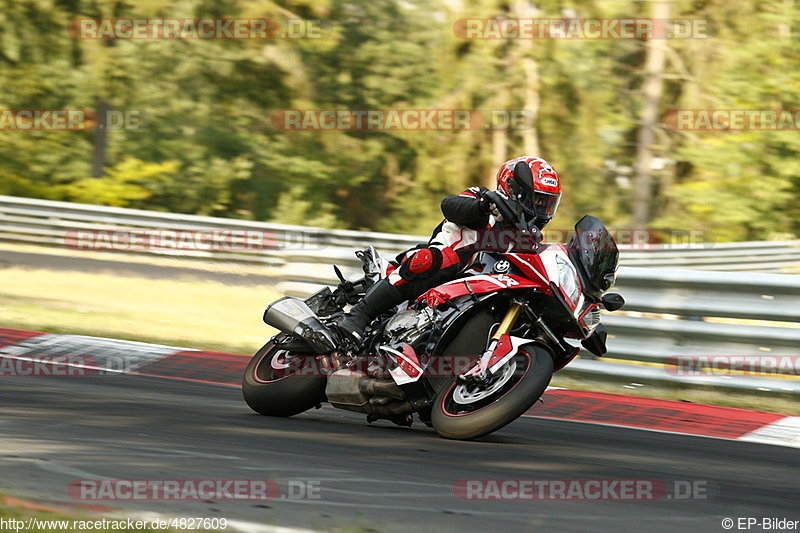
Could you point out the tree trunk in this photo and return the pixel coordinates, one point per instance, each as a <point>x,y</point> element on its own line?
<point>654,69</point>
<point>784,29</point>
<point>499,155</point>
<point>100,139</point>
<point>530,138</point>
<point>529,66</point>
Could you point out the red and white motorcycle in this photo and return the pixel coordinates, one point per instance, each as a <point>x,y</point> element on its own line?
<point>468,356</point>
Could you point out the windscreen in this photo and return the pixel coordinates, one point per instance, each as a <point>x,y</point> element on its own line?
<point>595,253</point>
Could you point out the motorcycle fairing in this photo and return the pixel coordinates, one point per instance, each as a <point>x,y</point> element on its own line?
<point>481,284</point>
<point>499,352</point>
<point>408,368</point>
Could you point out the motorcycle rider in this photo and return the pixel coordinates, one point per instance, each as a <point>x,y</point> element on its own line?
<point>452,244</point>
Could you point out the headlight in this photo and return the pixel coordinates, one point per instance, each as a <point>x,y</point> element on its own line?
<point>568,279</point>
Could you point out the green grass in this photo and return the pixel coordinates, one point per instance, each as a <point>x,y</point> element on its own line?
<point>180,312</point>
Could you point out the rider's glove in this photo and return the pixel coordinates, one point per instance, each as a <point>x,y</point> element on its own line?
<point>490,208</point>
<point>495,212</point>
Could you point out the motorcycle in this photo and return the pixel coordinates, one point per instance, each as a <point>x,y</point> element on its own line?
<point>467,357</point>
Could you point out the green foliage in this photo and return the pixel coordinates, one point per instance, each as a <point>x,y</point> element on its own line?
<point>206,144</point>
<point>125,184</point>
<point>740,185</point>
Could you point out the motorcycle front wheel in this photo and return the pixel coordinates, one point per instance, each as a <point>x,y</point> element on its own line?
<point>467,410</point>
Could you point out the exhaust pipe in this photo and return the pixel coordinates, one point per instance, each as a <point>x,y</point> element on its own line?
<point>292,315</point>
<point>380,387</point>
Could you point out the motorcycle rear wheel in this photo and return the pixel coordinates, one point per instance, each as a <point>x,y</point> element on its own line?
<point>279,383</point>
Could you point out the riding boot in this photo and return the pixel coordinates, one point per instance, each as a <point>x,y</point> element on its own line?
<point>379,298</point>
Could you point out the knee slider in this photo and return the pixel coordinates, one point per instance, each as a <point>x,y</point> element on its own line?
<point>423,263</point>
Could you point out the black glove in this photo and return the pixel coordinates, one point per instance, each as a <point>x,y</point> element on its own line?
<point>489,207</point>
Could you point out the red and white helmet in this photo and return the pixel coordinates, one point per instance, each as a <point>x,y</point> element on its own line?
<point>538,200</point>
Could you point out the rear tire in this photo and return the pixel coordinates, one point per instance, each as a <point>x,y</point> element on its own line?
<point>454,419</point>
<point>270,392</point>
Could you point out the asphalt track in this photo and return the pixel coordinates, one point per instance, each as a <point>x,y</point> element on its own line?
<point>371,477</point>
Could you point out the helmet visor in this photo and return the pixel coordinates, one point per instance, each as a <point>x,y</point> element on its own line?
<point>545,204</point>
<point>537,205</point>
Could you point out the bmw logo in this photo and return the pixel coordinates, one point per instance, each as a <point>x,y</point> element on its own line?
<point>502,266</point>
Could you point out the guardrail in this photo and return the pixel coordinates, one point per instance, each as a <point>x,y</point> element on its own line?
<point>670,313</point>
<point>34,221</point>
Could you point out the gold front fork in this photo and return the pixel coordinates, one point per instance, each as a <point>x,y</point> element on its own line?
<point>479,371</point>
<point>509,321</point>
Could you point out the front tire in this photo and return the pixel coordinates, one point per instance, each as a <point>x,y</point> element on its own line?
<point>461,412</point>
<point>278,383</point>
